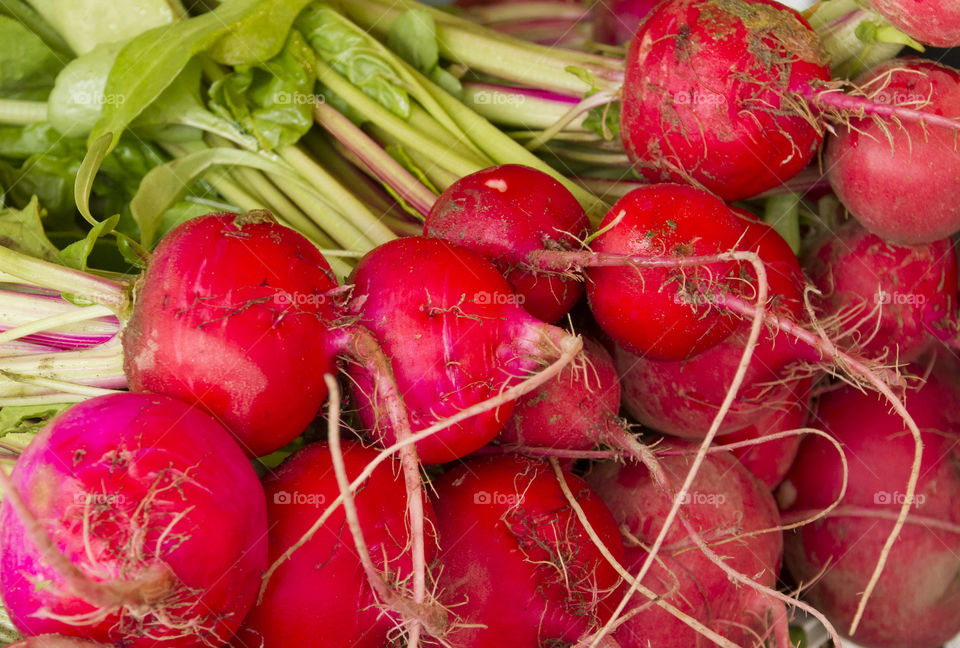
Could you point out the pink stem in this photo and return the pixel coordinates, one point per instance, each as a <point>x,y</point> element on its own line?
<point>865,107</point>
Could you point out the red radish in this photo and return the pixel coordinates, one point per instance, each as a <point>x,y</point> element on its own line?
<point>456,336</point>
<point>711,95</point>
<point>507,212</point>
<point>893,297</point>
<point>615,21</point>
<point>770,459</point>
<point>725,502</point>
<point>682,397</point>
<point>932,23</point>
<point>677,318</point>
<point>343,609</point>
<point>518,566</point>
<point>123,492</point>
<point>232,315</point>
<point>835,556</point>
<point>899,180</point>
<point>576,411</point>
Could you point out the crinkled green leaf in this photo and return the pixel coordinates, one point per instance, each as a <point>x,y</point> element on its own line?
<point>272,101</point>
<point>143,70</point>
<point>413,36</point>
<point>28,67</point>
<point>604,120</point>
<point>22,230</point>
<point>346,48</point>
<point>26,420</point>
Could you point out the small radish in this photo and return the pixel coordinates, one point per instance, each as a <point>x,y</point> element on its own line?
<point>456,336</point>
<point>879,169</point>
<point>233,315</point>
<point>725,503</point>
<point>894,299</point>
<point>518,567</point>
<point>835,556</point>
<point>505,213</point>
<point>932,23</point>
<point>343,609</point>
<point>106,532</point>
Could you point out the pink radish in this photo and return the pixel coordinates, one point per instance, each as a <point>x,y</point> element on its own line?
<point>507,212</point>
<point>233,315</point>
<point>343,609</point>
<point>834,557</point>
<point>455,334</point>
<point>932,23</point>
<point>518,567</point>
<point>879,169</point>
<point>111,540</point>
<point>894,299</point>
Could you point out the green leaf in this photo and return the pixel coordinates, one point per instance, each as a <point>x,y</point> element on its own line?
<point>349,50</point>
<point>413,36</point>
<point>28,68</point>
<point>22,230</point>
<point>604,120</point>
<point>79,96</point>
<point>272,101</point>
<point>447,81</point>
<point>143,70</point>
<point>75,255</point>
<point>261,35</point>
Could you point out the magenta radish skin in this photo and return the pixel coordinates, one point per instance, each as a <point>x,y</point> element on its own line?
<point>505,528</point>
<point>343,609</point>
<point>150,477</point>
<point>507,212</point>
<point>455,334</point>
<point>575,411</point>
<point>905,295</point>
<point>710,95</point>
<point>899,180</point>
<point>677,319</point>
<point>921,579</point>
<point>725,500</point>
<point>232,315</point>
<point>931,23</point>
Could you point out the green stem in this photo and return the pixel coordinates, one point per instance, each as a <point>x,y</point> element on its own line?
<point>35,22</point>
<point>82,314</point>
<point>17,112</point>
<point>80,285</point>
<point>782,213</point>
<point>360,217</point>
<point>516,108</point>
<point>484,50</point>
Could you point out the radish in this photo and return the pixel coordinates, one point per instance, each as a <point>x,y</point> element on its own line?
<point>576,411</point>
<point>343,608</point>
<point>518,567</point>
<point>233,315</point>
<point>933,23</point>
<point>105,527</point>
<point>893,299</point>
<point>878,169</point>
<point>769,459</point>
<point>455,335</point>
<point>507,212</point>
<point>726,501</point>
<point>834,556</point>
